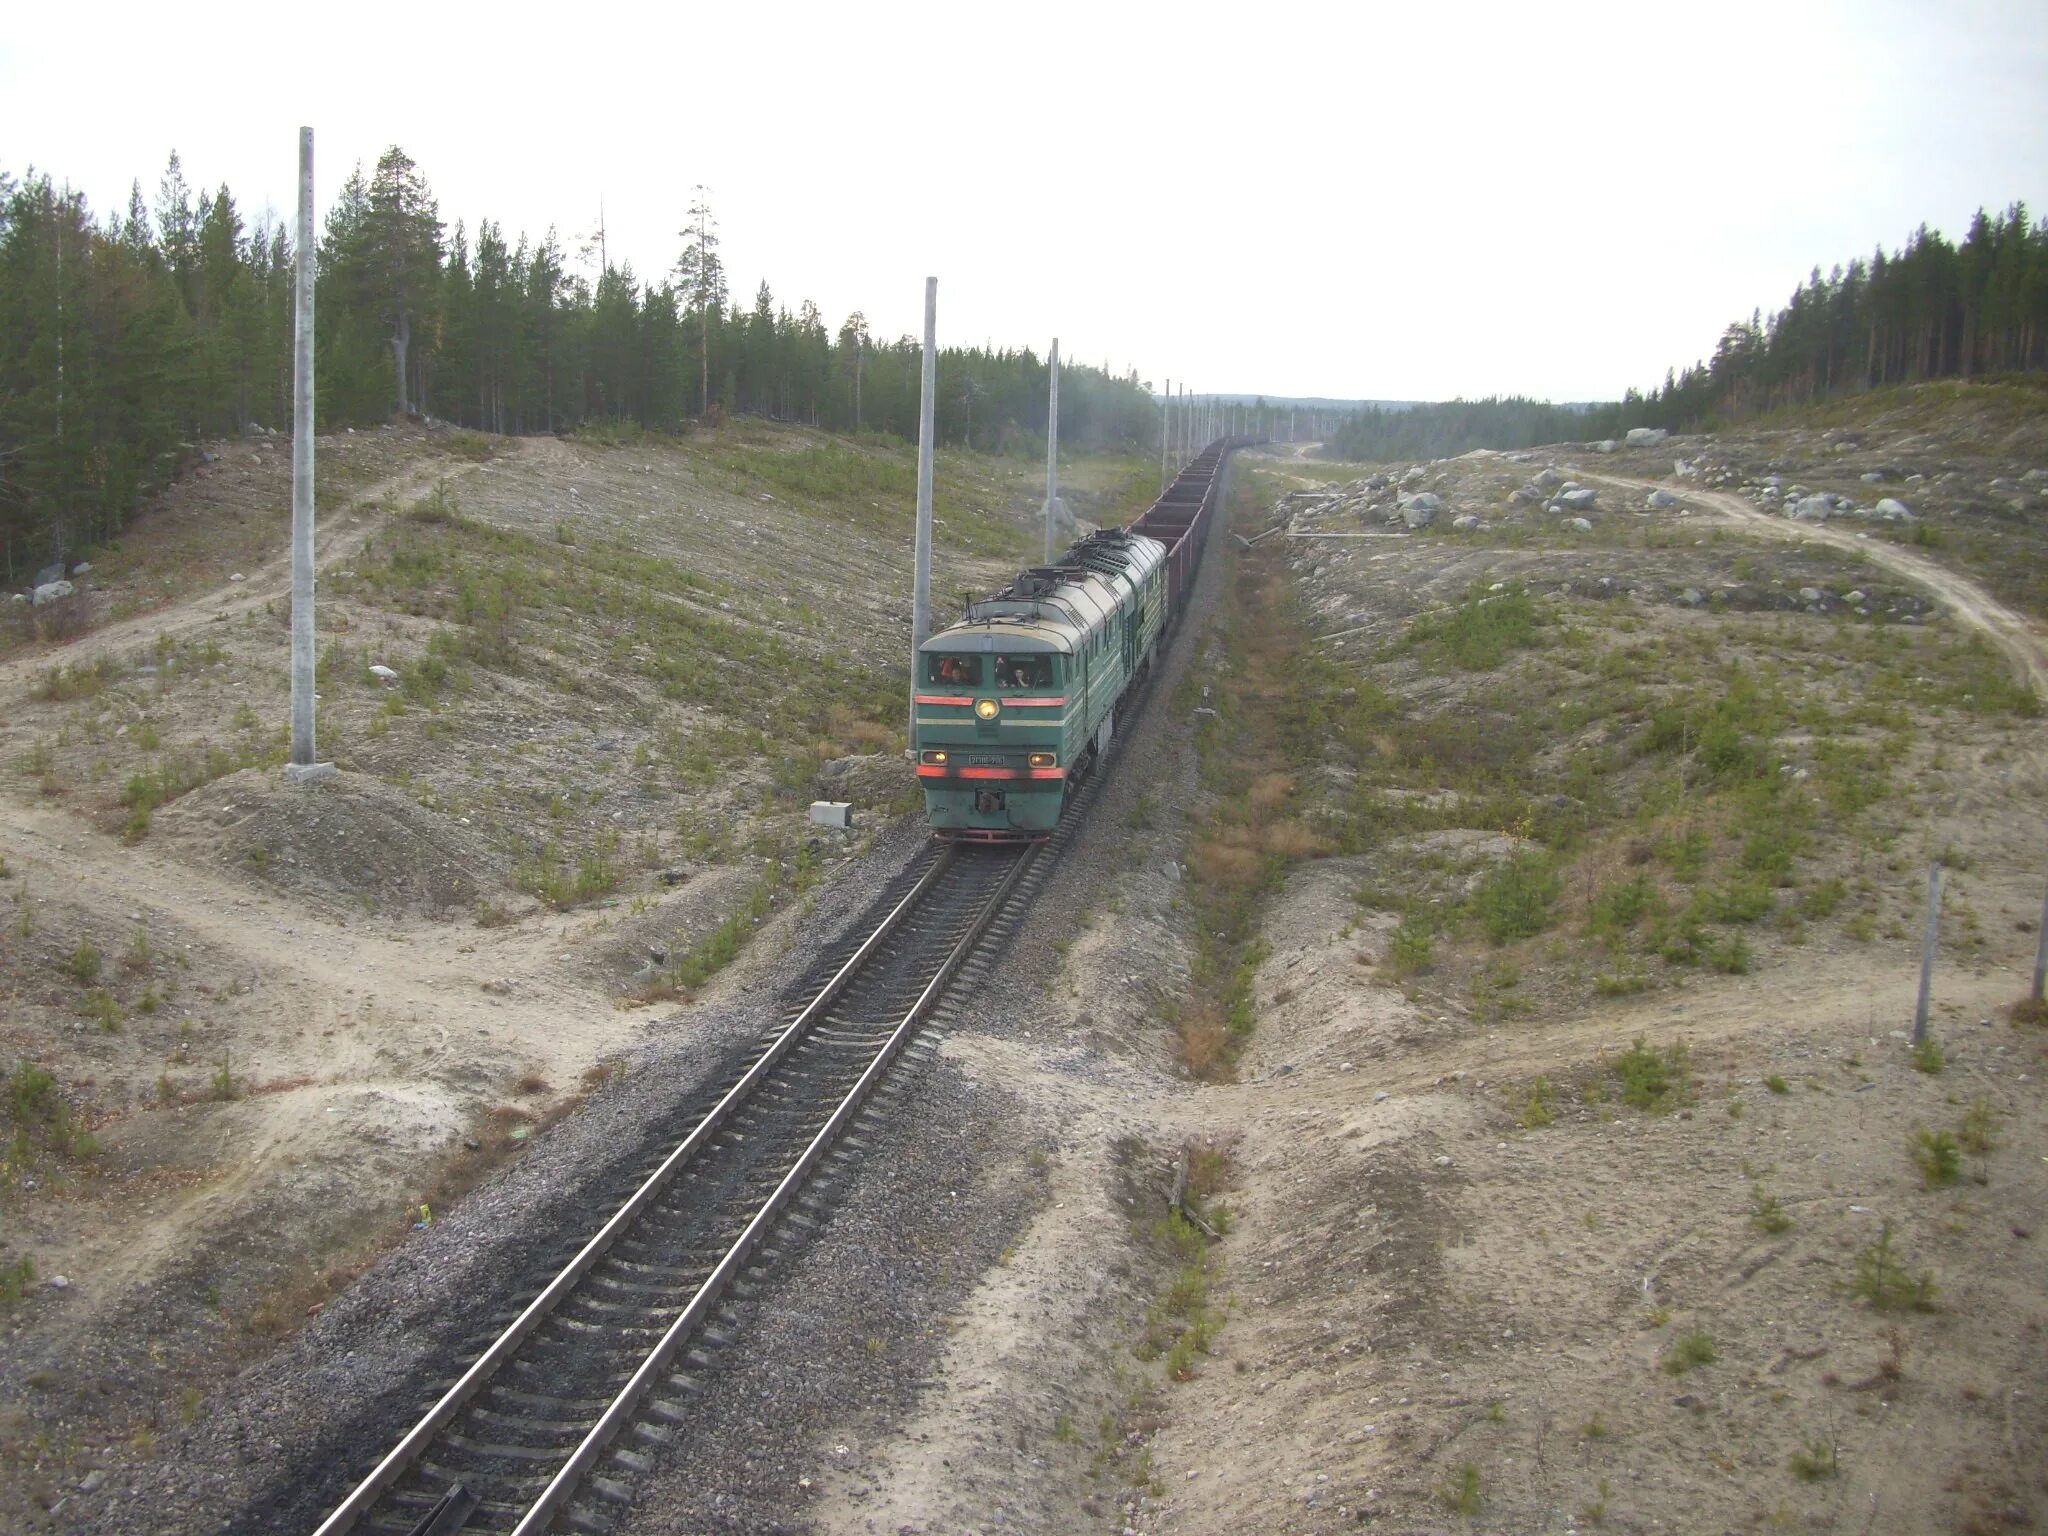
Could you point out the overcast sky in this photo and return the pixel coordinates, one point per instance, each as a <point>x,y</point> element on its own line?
<point>1412,201</point>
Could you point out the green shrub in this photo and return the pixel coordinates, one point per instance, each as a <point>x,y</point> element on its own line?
<point>1619,908</point>
<point>1938,1156</point>
<point>1927,1056</point>
<point>1461,1496</point>
<point>1815,1462</point>
<point>1821,898</point>
<point>1884,1282</point>
<point>104,1009</point>
<point>1730,955</point>
<point>1739,901</point>
<point>1515,898</point>
<point>1624,983</point>
<point>1412,948</point>
<point>84,963</point>
<point>1691,1351</point>
<point>1653,1080</point>
<point>1766,1213</point>
<point>38,1118</point>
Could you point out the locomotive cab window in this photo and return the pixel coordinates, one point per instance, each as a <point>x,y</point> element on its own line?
<point>1024,671</point>
<point>960,671</point>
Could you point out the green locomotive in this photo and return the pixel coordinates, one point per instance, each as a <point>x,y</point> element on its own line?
<point>1020,696</point>
<point>1018,699</point>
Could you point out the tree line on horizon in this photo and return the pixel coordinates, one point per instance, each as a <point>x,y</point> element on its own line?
<point>125,341</point>
<point>1930,310</point>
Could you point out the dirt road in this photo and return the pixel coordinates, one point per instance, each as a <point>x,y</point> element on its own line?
<point>2013,634</point>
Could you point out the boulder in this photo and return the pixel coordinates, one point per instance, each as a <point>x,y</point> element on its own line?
<point>1692,597</point>
<point>1660,501</point>
<point>1646,437</point>
<point>1466,523</point>
<point>1811,594</point>
<point>1684,469</point>
<point>383,673</point>
<point>1891,507</point>
<point>83,568</point>
<point>51,591</point>
<point>1579,498</point>
<point>1547,480</point>
<point>875,779</point>
<point>1578,525</point>
<point>1606,445</point>
<point>1811,509</point>
<point>1420,511</point>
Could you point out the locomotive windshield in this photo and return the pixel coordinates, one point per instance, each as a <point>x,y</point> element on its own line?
<point>1023,671</point>
<point>960,671</point>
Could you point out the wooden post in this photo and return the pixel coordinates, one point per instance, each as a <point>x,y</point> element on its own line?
<point>2041,952</point>
<point>1927,950</point>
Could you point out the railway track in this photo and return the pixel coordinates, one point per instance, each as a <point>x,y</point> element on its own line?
<point>573,1393</point>
<point>562,1408</point>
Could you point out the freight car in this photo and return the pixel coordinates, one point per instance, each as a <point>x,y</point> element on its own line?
<point>1017,700</point>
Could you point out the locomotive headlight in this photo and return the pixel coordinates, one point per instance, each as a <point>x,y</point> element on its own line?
<point>1041,760</point>
<point>986,708</point>
<point>938,758</point>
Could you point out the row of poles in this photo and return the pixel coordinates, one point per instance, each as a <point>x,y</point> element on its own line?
<point>1185,428</point>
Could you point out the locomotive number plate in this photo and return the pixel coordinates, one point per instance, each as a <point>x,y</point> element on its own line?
<point>986,760</point>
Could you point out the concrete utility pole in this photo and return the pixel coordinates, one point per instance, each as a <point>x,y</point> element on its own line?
<point>1052,452</point>
<point>1165,433</point>
<point>921,602</point>
<point>303,658</point>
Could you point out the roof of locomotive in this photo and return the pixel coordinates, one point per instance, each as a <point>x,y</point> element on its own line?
<point>1052,607</point>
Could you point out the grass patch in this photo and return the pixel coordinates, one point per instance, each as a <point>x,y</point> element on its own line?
<point>548,876</point>
<point>75,680</point>
<point>1482,631</point>
<point>38,1121</point>
<point>15,1279</point>
<point>1540,1109</point>
<point>1652,1080</point>
<point>1690,1351</point>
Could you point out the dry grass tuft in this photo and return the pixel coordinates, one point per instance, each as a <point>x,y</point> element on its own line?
<point>1205,1042</point>
<point>1227,865</point>
<point>1270,791</point>
<point>1293,839</point>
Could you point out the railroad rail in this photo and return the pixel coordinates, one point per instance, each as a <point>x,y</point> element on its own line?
<point>527,1435</point>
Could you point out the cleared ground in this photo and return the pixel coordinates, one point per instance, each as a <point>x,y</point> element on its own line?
<point>254,1029</point>
<point>1427,830</point>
